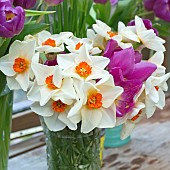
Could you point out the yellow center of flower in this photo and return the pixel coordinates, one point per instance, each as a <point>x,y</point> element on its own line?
<point>94,101</point>
<point>49,42</point>
<point>59,106</point>
<point>111,34</point>
<point>83,69</point>
<point>157,88</point>
<point>20,65</point>
<point>78,45</point>
<point>49,82</point>
<point>9,16</point>
<point>137,116</point>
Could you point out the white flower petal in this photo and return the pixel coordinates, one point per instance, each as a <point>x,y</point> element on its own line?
<point>42,72</point>
<point>23,80</point>
<point>6,65</point>
<point>34,93</point>
<point>99,61</point>
<point>150,107</point>
<point>90,119</point>
<point>45,110</point>
<point>157,58</point>
<point>127,129</point>
<point>12,83</point>
<point>108,118</point>
<point>74,114</point>
<point>53,123</point>
<point>161,102</point>
<point>66,60</point>
<point>46,94</point>
<point>63,117</point>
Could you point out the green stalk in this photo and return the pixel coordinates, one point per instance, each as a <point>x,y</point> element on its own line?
<point>55,21</point>
<point>5,127</point>
<point>83,29</point>
<point>65,10</point>
<point>41,16</point>
<point>47,21</point>
<point>59,18</point>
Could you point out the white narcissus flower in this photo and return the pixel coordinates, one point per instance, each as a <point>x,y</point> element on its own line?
<point>55,114</point>
<point>17,64</point>
<point>132,119</point>
<point>104,30</point>
<point>147,37</point>
<point>82,66</point>
<point>50,83</point>
<point>98,108</point>
<point>126,35</point>
<point>98,40</point>
<point>74,45</point>
<point>51,43</point>
<point>154,91</point>
<point>158,59</point>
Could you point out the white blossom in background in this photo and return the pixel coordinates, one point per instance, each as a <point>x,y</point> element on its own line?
<point>48,43</point>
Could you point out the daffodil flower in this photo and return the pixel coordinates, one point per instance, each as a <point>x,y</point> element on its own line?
<point>74,45</point>
<point>17,64</point>
<point>154,91</point>
<point>50,82</point>
<point>51,43</point>
<point>130,120</point>
<point>83,66</point>
<point>98,107</point>
<point>147,37</point>
<point>55,114</point>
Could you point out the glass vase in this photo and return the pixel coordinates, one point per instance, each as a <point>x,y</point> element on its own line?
<point>72,150</point>
<point>6,101</point>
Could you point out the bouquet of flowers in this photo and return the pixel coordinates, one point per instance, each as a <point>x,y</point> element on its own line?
<point>80,84</point>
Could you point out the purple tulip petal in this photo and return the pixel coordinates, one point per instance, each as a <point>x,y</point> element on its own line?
<point>26,4</point>
<point>125,103</point>
<point>124,59</point>
<point>117,75</point>
<point>138,57</point>
<point>51,62</point>
<point>142,71</point>
<point>162,9</point>
<point>110,48</point>
<point>149,4</point>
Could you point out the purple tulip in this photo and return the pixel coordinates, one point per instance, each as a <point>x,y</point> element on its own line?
<point>5,3</point>
<point>149,4</point>
<point>147,23</point>
<point>53,2</point>
<point>162,9</point>
<point>130,73</point>
<point>26,4</point>
<point>12,20</point>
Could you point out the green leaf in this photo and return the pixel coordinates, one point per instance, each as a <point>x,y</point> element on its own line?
<point>163,28</point>
<point>4,47</point>
<point>30,28</point>
<point>30,13</point>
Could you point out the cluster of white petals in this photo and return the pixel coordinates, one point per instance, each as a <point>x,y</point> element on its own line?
<point>77,88</point>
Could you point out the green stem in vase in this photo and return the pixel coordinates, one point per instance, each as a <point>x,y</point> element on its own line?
<point>60,27</point>
<point>65,13</point>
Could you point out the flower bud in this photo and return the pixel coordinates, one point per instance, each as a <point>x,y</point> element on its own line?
<point>26,4</point>
<point>53,2</point>
<point>12,19</point>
